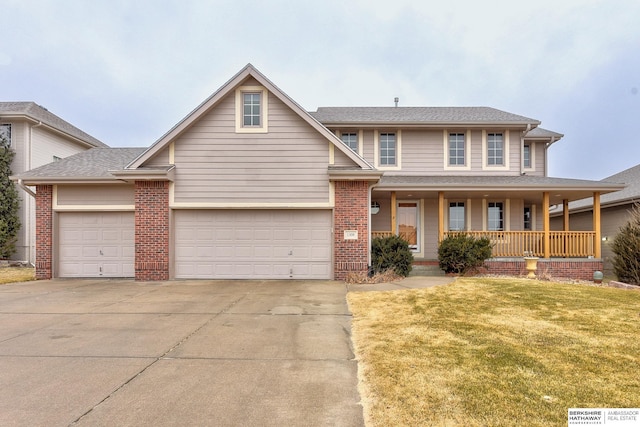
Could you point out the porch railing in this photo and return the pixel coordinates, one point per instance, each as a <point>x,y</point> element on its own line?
<point>576,244</point>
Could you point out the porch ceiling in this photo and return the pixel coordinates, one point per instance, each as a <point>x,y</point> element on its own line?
<point>525,187</point>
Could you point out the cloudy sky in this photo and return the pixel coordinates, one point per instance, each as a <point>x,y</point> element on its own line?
<point>127,71</point>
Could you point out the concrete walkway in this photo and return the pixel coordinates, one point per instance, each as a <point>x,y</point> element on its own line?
<point>223,353</point>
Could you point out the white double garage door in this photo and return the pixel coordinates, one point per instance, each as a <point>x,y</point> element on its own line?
<point>206,244</point>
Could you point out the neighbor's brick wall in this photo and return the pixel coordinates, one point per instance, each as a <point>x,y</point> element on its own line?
<point>44,231</point>
<point>152,230</point>
<point>351,213</point>
<point>577,269</point>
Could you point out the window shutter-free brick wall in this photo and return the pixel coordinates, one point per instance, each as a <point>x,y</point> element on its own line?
<point>44,231</point>
<point>351,213</point>
<point>152,230</point>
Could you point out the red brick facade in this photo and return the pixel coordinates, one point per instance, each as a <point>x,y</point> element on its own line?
<point>351,214</point>
<point>559,268</point>
<point>44,232</point>
<point>152,230</point>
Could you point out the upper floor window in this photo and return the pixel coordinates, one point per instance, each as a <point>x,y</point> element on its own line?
<point>527,155</point>
<point>456,216</point>
<point>351,139</point>
<point>388,153</point>
<point>495,149</point>
<point>252,109</point>
<point>495,219</point>
<point>456,149</point>
<point>5,133</point>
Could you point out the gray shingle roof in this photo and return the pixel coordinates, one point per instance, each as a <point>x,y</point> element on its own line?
<point>543,133</point>
<point>418,115</point>
<point>630,177</point>
<point>36,112</point>
<point>515,181</point>
<point>93,163</point>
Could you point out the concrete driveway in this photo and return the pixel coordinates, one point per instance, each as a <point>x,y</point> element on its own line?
<point>219,353</point>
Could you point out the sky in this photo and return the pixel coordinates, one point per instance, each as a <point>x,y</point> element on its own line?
<point>127,71</point>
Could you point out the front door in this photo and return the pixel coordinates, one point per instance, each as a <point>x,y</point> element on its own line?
<point>408,224</point>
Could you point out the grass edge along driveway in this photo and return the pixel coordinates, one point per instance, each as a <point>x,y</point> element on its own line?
<point>500,352</point>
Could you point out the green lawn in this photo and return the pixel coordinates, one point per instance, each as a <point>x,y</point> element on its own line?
<point>495,352</point>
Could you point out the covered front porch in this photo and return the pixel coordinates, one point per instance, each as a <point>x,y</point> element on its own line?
<point>513,212</point>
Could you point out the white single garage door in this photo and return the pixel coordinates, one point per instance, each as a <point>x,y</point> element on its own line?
<point>253,244</point>
<point>96,244</point>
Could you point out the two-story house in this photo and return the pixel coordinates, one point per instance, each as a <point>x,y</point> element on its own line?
<point>250,185</point>
<point>38,137</point>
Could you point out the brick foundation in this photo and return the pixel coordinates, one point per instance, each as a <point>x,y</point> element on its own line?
<point>582,269</point>
<point>44,232</point>
<point>152,230</point>
<point>351,213</point>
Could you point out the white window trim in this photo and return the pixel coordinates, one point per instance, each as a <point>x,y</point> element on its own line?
<point>506,152</point>
<point>264,109</point>
<point>532,154</point>
<point>506,214</point>
<point>467,151</point>
<point>376,150</point>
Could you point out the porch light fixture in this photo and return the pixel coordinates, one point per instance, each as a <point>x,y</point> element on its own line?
<point>375,208</point>
<point>605,238</point>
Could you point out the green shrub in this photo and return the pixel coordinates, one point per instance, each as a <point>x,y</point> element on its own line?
<point>9,203</point>
<point>461,253</point>
<point>626,247</point>
<point>391,253</point>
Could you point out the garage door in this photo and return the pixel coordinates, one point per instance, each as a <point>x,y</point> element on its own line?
<point>266,244</point>
<point>96,244</point>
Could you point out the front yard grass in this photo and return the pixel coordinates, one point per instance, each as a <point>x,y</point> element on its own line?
<point>495,352</point>
<point>16,274</point>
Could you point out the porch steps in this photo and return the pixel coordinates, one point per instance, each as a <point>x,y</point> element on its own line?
<point>426,270</point>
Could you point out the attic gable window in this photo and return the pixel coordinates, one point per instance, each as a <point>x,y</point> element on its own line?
<point>251,112</point>
<point>252,109</point>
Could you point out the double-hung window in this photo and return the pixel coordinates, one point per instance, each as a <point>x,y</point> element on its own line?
<point>456,149</point>
<point>351,140</point>
<point>495,218</point>
<point>388,152</point>
<point>526,155</point>
<point>251,109</point>
<point>456,216</point>
<point>495,149</point>
<point>5,134</point>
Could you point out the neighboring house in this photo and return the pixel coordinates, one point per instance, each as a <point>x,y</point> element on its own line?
<point>38,137</point>
<point>614,211</point>
<point>250,185</point>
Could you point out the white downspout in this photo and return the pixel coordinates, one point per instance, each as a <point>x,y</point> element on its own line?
<point>546,154</point>
<point>28,235</point>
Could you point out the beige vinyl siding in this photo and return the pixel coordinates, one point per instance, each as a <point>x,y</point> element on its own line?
<point>540,162</point>
<point>160,159</point>
<point>96,195</point>
<point>516,215</point>
<point>422,151</point>
<point>341,159</point>
<point>47,144</point>
<point>20,164</point>
<point>367,138</point>
<point>430,229</point>
<point>214,164</point>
